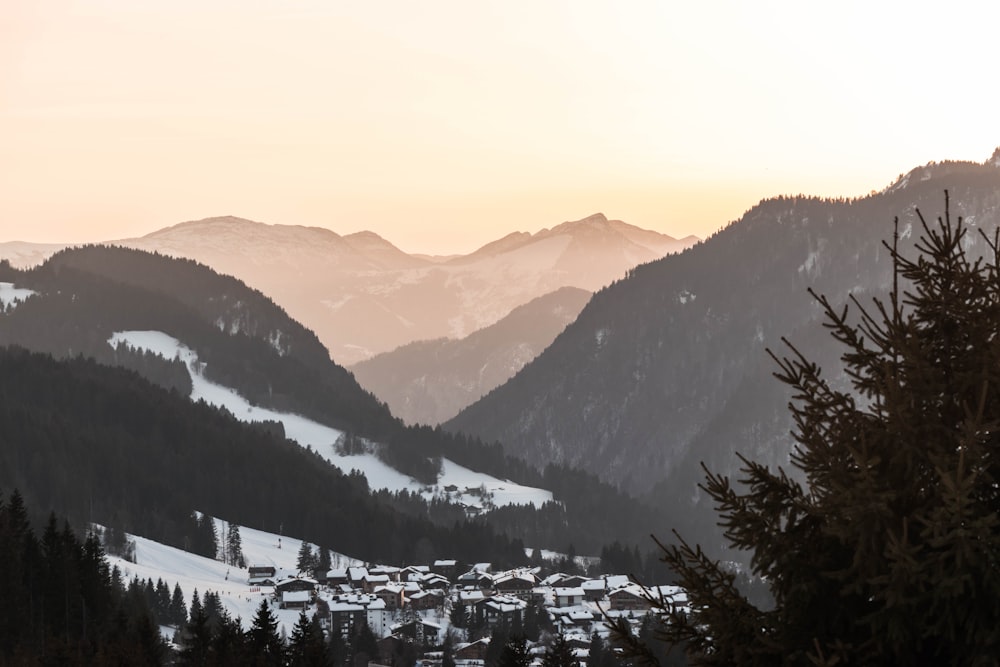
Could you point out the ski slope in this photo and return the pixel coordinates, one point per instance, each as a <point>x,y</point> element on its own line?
<point>192,572</point>
<point>474,489</point>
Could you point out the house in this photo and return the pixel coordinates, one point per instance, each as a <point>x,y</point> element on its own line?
<point>447,568</point>
<point>391,594</point>
<point>568,597</point>
<point>476,579</point>
<point>356,575</point>
<point>390,571</point>
<point>414,572</point>
<point>424,600</point>
<point>429,581</point>
<point>594,589</point>
<point>499,609</point>
<point>474,651</point>
<point>336,576</point>
<point>261,575</point>
<point>296,599</point>
<point>517,584</point>
<point>372,581</point>
<point>629,598</point>
<point>420,632</point>
<point>295,584</point>
<point>572,581</point>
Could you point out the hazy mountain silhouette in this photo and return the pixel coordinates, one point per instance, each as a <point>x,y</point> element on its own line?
<point>428,382</point>
<point>363,296</point>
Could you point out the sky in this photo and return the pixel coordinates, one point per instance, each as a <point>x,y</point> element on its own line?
<point>444,124</point>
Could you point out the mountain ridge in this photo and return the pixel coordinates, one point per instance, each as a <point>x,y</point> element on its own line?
<point>667,367</point>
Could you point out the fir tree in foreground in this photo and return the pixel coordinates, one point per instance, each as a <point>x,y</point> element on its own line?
<point>888,553</point>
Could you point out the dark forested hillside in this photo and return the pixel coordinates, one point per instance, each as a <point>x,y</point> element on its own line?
<point>102,444</point>
<point>249,343</point>
<point>667,367</point>
<point>85,295</point>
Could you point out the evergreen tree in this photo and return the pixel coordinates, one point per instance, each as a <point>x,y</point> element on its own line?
<point>178,610</point>
<point>264,643</point>
<point>306,560</point>
<point>559,654</point>
<point>363,644</point>
<point>234,546</point>
<point>886,554</point>
<point>306,647</point>
<point>514,653</point>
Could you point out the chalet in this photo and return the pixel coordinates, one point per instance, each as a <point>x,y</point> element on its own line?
<point>568,597</point>
<point>446,568</point>
<point>414,572</point>
<point>572,581</point>
<point>474,651</point>
<point>471,597</point>
<point>391,594</point>
<point>295,584</point>
<point>388,570</point>
<point>429,581</point>
<point>594,589</point>
<point>296,599</point>
<point>261,575</point>
<point>517,584</point>
<point>424,600</point>
<point>336,577</point>
<point>476,579</point>
<point>372,581</point>
<point>629,598</point>
<point>419,631</point>
<point>499,609</point>
<point>356,576</point>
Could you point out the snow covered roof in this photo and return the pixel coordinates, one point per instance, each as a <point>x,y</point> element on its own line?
<point>594,585</point>
<point>569,592</point>
<point>295,596</point>
<point>617,581</point>
<point>445,563</point>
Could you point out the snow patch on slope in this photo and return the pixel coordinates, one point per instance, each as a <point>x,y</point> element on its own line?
<point>456,482</point>
<point>10,296</point>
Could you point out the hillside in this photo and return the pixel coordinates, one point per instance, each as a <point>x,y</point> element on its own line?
<point>234,348</point>
<point>429,382</point>
<point>101,444</point>
<point>667,368</point>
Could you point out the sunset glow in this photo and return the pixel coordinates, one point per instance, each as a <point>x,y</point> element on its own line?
<point>444,125</point>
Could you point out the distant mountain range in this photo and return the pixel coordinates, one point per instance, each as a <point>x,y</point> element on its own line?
<point>667,368</point>
<point>363,296</point>
<point>429,382</point>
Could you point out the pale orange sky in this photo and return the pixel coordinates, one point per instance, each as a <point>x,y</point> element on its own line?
<point>444,125</point>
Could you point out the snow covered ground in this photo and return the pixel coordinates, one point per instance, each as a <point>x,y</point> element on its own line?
<point>472,486</point>
<point>193,572</point>
<point>11,296</point>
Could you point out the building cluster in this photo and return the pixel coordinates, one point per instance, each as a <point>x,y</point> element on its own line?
<point>420,603</point>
